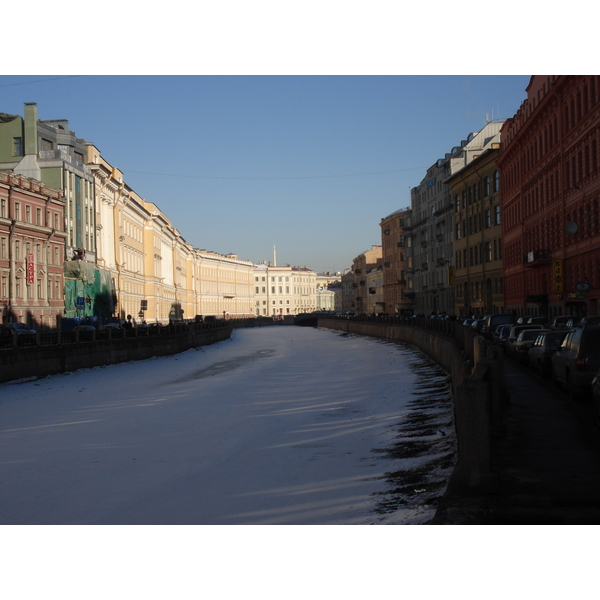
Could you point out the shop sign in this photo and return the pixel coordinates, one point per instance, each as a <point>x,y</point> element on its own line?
<point>558,276</point>
<point>30,269</point>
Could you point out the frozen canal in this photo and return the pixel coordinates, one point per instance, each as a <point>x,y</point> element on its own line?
<point>279,425</point>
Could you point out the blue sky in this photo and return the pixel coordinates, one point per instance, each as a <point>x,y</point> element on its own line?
<point>309,164</point>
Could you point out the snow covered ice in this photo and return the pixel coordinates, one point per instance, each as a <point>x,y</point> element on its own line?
<point>279,425</point>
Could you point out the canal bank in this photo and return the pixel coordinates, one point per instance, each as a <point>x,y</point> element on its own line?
<point>526,453</point>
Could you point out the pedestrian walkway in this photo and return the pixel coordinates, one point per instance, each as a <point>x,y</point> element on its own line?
<point>547,467</point>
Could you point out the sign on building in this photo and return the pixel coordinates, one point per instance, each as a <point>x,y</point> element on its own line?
<point>30,269</point>
<point>558,276</point>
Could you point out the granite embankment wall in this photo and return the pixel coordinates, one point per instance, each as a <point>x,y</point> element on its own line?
<point>43,360</point>
<point>479,390</point>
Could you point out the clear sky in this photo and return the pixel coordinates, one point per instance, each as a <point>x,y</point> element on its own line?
<point>309,164</point>
<point>300,126</point>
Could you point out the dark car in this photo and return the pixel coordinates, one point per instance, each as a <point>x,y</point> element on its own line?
<point>540,354</point>
<point>500,335</point>
<point>521,346</point>
<point>577,360</point>
<point>560,322</point>
<point>513,334</point>
<point>596,395</point>
<point>492,322</point>
<point>18,328</point>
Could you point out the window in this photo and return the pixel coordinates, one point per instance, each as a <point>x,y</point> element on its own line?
<point>3,208</point>
<point>17,146</point>
<point>28,213</point>
<point>458,231</point>
<point>17,211</point>
<point>488,218</point>
<point>38,216</point>
<point>496,181</point>
<point>497,215</point>
<point>486,186</point>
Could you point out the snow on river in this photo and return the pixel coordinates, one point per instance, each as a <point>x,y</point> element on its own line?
<point>279,425</point>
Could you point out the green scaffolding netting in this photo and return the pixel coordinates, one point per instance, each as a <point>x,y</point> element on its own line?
<point>95,286</point>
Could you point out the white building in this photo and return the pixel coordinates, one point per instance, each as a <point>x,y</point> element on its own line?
<point>282,291</point>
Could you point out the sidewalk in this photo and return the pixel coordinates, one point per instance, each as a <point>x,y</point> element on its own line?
<point>547,468</point>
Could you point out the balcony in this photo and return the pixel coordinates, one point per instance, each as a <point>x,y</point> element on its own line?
<point>537,258</point>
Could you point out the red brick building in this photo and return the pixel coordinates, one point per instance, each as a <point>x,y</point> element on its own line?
<point>550,182</point>
<point>32,252</point>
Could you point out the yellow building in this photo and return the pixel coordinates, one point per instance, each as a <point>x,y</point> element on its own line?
<point>224,285</point>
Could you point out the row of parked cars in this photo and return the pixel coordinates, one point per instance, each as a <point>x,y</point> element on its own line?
<point>565,350</point>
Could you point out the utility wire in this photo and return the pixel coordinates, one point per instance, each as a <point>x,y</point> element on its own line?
<point>38,80</point>
<point>276,178</point>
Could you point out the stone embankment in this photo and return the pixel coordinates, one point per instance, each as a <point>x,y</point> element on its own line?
<point>527,454</point>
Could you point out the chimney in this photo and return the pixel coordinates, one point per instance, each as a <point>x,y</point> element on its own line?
<point>31,134</point>
<point>29,165</point>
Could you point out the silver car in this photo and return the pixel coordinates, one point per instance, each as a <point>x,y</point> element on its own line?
<point>577,360</point>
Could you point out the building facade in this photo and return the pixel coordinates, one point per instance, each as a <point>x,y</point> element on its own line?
<point>432,224</point>
<point>49,152</point>
<point>478,236</point>
<point>550,179</point>
<point>282,291</point>
<point>32,249</point>
<point>361,265</point>
<point>393,244</point>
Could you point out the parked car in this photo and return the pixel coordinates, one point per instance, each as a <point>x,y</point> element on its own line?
<point>112,326</point>
<point>523,320</point>
<point>560,322</point>
<point>544,346</point>
<point>513,334</point>
<point>574,322</point>
<point>82,328</point>
<point>492,322</point>
<point>575,363</point>
<point>520,347</point>
<point>538,321</point>
<point>467,322</point>
<point>477,324</point>
<point>596,395</point>
<point>18,328</point>
<point>586,321</point>
<point>501,334</point>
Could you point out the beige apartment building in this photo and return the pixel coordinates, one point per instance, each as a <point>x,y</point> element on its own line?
<point>478,236</point>
<point>361,266</point>
<point>224,285</point>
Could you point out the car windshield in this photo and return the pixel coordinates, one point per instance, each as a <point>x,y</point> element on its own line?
<point>528,335</point>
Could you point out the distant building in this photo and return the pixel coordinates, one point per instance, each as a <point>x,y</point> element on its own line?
<point>393,244</point>
<point>361,265</point>
<point>282,291</point>
<point>374,299</point>
<point>32,246</point>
